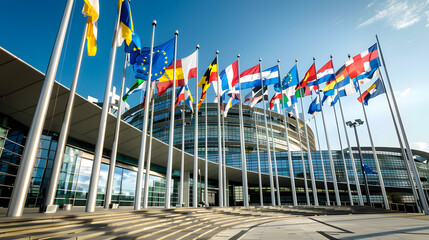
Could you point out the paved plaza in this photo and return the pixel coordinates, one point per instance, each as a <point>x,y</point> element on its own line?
<point>365,226</point>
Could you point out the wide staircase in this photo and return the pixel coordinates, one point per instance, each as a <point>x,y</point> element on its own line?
<point>176,223</point>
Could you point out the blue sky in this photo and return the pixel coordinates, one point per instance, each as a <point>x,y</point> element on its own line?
<point>269,30</point>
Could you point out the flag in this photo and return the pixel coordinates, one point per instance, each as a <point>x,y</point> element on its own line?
<point>209,76</point>
<point>288,84</point>
<point>184,95</point>
<point>340,75</point>
<point>228,77</point>
<point>345,88</point>
<point>275,100</point>
<point>364,62</point>
<point>366,77</point>
<point>372,92</point>
<point>257,95</point>
<point>231,102</point>
<point>315,106</point>
<point>91,10</point>
<point>139,85</point>
<point>326,73</point>
<point>186,68</point>
<point>309,78</point>
<point>271,75</point>
<point>126,28</point>
<point>162,58</point>
<point>368,170</point>
<point>250,78</point>
<point>133,49</point>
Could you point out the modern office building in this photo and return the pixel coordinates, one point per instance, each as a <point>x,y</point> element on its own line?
<point>20,90</point>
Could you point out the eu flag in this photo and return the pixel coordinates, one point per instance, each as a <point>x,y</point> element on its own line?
<point>162,58</point>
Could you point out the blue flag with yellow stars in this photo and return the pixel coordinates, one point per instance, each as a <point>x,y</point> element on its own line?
<point>133,49</point>
<point>162,58</point>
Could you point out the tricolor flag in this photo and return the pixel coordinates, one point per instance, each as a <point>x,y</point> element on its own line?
<point>184,95</point>
<point>372,92</point>
<point>326,73</point>
<point>250,78</point>
<point>228,77</point>
<point>126,28</point>
<point>186,68</point>
<point>209,76</point>
<point>364,62</point>
<point>91,10</point>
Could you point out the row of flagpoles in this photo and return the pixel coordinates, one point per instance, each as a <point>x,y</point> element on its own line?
<point>159,63</point>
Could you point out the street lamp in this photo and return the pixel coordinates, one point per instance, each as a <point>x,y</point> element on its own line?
<point>355,124</point>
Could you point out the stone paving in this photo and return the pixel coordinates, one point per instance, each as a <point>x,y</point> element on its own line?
<point>365,226</point>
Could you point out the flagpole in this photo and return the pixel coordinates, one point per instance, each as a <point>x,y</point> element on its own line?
<point>62,140</point>
<point>171,137</point>
<point>331,160</point>
<point>353,163</point>
<point>307,195</point>
<point>261,196</point>
<point>270,168</point>
<point>310,160</point>
<point>289,155</point>
<point>328,201</point>
<point>149,155</point>
<point>422,196</point>
<point>23,177</point>
<point>195,173</point>
<point>111,174</point>
<point>92,190</point>
<point>242,142</point>
<point>279,203</point>
<point>344,159</point>
<point>219,137</point>
<point>374,153</point>
<point>224,164</point>
<point>138,196</point>
<point>206,171</point>
<point>182,163</point>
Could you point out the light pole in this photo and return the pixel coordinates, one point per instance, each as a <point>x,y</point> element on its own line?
<point>353,125</point>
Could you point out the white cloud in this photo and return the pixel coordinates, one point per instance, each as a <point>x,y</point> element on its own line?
<point>399,14</point>
<point>404,93</point>
<point>370,4</point>
<point>423,146</point>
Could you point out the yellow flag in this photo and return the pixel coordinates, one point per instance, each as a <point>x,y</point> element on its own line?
<point>91,10</point>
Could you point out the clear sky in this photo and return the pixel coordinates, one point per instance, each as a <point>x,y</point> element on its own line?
<point>269,30</point>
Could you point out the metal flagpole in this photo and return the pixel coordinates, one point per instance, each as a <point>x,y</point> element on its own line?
<point>344,159</point>
<point>62,140</point>
<point>224,164</point>
<point>374,153</point>
<point>23,177</point>
<point>328,202</point>
<point>171,137</point>
<point>422,196</point>
<point>289,155</point>
<point>182,162</point>
<point>275,160</point>
<point>331,160</point>
<point>206,165</point>
<point>353,163</point>
<point>219,137</point>
<point>195,173</point>
<point>111,174</point>
<point>138,196</point>
<point>307,196</point>
<point>92,191</point>
<point>242,143</point>
<point>149,156</point>
<point>261,196</point>
<point>270,168</point>
<point>308,153</point>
